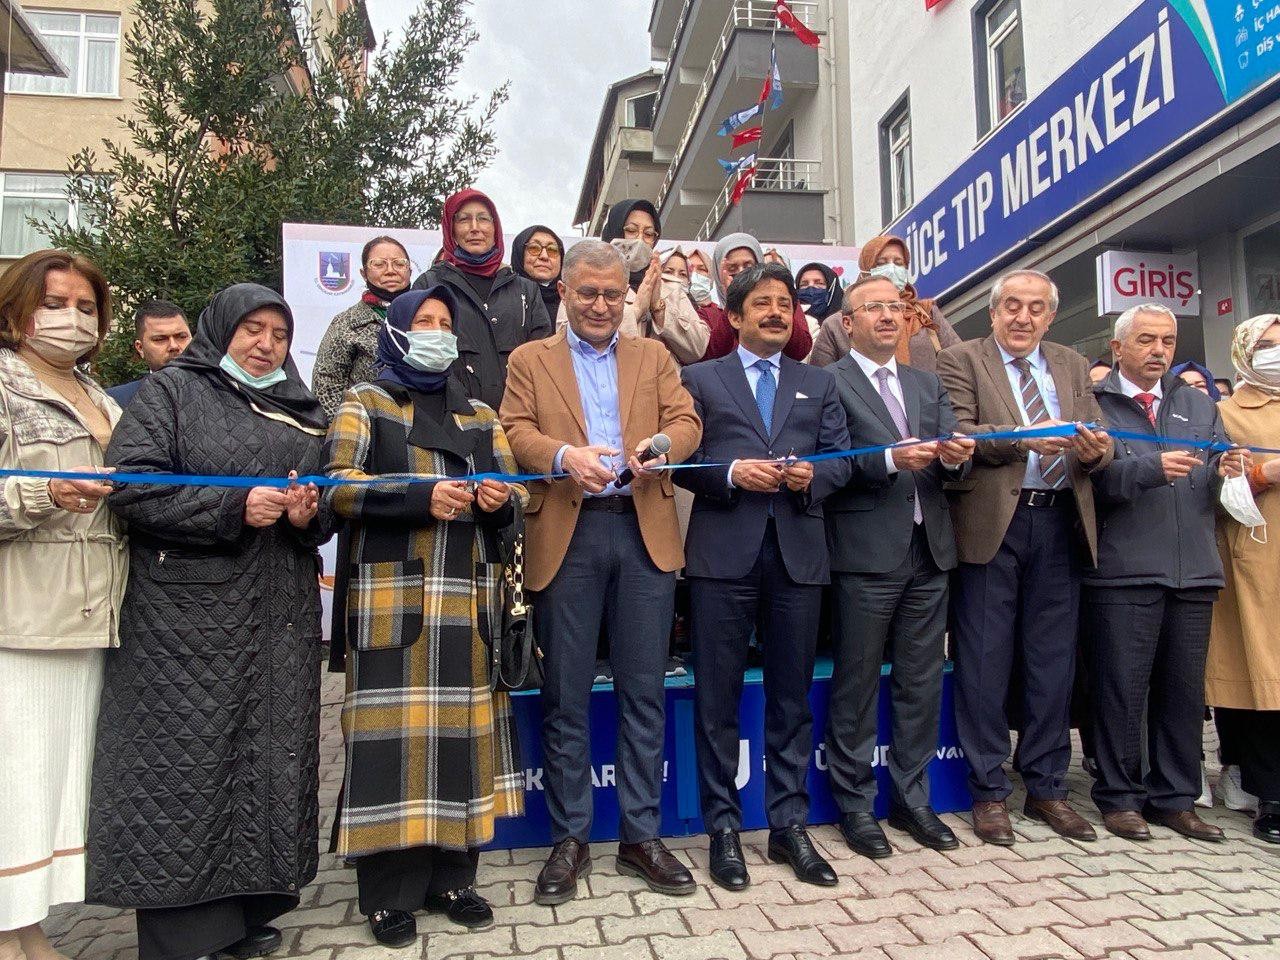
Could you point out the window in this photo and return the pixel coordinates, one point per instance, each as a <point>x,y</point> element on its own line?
<point>88,44</point>
<point>895,161</point>
<point>42,196</point>
<point>639,111</point>
<point>1002,75</point>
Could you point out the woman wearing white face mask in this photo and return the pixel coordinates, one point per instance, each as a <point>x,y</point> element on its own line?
<point>1242,679</point>
<point>210,711</point>
<point>422,606</point>
<point>63,564</point>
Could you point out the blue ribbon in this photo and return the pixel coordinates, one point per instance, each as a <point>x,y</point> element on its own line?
<point>238,482</point>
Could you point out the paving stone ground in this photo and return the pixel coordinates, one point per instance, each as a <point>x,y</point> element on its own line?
<point>1045,897</point>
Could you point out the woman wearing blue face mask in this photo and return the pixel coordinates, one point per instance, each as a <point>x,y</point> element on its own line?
<point>422,605</point>
<point>204,815</point>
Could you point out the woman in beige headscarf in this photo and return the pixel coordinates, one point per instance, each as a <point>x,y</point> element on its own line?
<point>1242,677</point>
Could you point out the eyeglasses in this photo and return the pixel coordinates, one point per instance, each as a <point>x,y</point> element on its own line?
<point>879,307</point>
<point>587,296</point>
<point>479,219</point>
<point>381,263</point>
<point>538,249</point>
<point>634,233</point>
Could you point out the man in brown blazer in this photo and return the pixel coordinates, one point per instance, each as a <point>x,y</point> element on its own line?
<point>601,553</point>
<point>1024,522</point>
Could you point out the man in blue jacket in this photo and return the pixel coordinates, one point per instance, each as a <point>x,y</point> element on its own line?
<point>1148,603</point>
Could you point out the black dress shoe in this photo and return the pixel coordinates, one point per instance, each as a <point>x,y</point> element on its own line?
<point>728,866</point>
<point>1267,826</point>
<point>923,825</point>
<point>863,834</point>
<point>464,907</point>
<point>258,942</point>
<point>393,928</point>
<point>792,845</point>
<point>558,880</point>
<point>657,866</point>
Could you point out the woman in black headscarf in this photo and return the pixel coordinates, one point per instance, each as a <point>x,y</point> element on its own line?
<point>419,800</point>
<point>537,254</point>
<point>204,814</point>
<point>655,307</point>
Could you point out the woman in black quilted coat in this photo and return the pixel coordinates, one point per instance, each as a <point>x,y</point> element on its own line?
<point>204,810</point>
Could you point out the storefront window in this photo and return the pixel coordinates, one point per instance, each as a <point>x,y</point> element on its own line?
<point>1262,270</point>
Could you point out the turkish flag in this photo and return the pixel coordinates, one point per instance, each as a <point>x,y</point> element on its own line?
<point>930,4</point>
<point>750,135</point>
<point>744,181</point>
<point>787,18</point>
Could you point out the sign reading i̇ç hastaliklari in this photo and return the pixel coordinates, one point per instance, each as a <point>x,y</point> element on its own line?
<point>1160,83</point>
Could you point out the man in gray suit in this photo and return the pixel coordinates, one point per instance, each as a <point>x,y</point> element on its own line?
<point>891,544</point>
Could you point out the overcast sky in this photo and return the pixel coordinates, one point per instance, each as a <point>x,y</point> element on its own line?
<point>560,57</point>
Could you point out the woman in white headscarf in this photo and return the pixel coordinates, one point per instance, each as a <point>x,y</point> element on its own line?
<point>1242,677</point>
<point>733,254</point>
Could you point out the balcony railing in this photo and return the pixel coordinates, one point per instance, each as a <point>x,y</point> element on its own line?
<point>754,14</point>
<point>772,173</point>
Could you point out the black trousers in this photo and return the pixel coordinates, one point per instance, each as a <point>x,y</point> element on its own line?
<point>402,879</point>
<point>606,579</point>
<point>1149,647</point>
<point>908,609</point>
<point>1255,739</point>
<point>1021,609</point>
<point>785,617</point>
<point>185,933</point>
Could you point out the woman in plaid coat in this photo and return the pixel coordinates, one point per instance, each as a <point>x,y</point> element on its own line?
<point>432,758</point>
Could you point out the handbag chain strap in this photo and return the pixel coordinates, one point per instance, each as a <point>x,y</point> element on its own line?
<point>515,579</point>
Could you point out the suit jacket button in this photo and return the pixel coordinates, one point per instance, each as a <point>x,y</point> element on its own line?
<point>573,503</point>
<point>911,498</point>
<point>1015,491</point>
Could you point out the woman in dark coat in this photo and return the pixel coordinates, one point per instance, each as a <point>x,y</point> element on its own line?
<point>203,815</point>
<point>431,754</point>
<point>497,310</point>
<point>537,253</point>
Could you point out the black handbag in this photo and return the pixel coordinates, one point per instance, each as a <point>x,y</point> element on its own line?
<point>515,659</point>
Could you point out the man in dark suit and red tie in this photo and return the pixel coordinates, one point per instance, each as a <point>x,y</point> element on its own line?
<point>756,560</point>
<point>891,542</point>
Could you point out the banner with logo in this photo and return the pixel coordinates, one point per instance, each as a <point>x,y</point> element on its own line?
<point>322,270</point>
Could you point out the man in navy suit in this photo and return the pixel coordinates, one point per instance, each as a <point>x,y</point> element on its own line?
<point>756,560</point>
<point>891,542</point>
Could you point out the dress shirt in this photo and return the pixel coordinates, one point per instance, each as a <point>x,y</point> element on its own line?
<point>869,367</point>
<point>754,373</point>
<point>597,376</point>
<point>1131,390</point>
<point>1048,392</point>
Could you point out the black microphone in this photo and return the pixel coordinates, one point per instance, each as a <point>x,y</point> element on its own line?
<point>658,446</point>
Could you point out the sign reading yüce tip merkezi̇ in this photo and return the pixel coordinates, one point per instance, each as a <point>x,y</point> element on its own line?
<point>1128,278</point>
<point>1156,85</point>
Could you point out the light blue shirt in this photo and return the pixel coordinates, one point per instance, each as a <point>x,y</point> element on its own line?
<point>1048,392</point>
<point>754,373</point>
<point>597,376</point>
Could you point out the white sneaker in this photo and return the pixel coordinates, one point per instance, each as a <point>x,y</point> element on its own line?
<point>1206,792</point>
<point>1233,793</point>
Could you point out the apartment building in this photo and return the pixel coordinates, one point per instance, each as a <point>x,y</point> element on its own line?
<point>47,119</point>
<point>1129,148</point>
<point>715,56</point>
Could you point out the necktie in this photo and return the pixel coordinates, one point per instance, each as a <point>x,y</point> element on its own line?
<point>766,393</point>
<point>1052,469</point>
<point>899,420</point>
<point>1148,401</point>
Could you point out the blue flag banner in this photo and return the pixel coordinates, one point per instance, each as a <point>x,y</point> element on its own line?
<point>739,119</point>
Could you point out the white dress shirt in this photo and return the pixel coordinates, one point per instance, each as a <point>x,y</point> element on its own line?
<point>1131,390</point>
<point>754,373</point>
<point>1048,392</point>
<point>869,367</point>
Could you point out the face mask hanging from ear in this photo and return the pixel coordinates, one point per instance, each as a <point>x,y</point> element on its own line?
<point>1237,499</point>
<point>240,374</point>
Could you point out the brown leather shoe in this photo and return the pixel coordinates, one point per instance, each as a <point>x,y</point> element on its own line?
<point>1059,815</point>
<point>1187,823</point>
<point>558,880</point>
<point>653,863</point>
<point>1127,824</point>
<point>991,822</point>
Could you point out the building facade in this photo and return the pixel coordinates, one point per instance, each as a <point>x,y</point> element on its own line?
<point>47,119</point>
<point>1000,133</point>
<point>715,56</point>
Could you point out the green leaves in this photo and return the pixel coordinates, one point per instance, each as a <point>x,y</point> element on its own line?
<point>234,133</point>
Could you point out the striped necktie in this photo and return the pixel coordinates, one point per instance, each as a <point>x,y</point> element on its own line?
<point>1053,469</point>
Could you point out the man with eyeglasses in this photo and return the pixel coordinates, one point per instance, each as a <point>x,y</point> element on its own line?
<point>1025,529</point>
<point>891,543</point>
<point>601,553</point>
<point>756,561</point>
